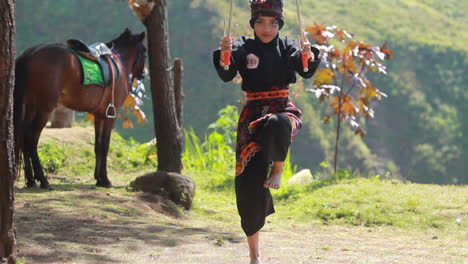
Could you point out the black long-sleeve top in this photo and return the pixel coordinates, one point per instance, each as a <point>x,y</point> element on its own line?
<point>264,65</point>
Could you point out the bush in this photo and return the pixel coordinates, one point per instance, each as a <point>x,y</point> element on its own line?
<point>52,156</point>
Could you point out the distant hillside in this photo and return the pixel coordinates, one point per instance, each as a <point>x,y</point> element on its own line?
<point>418,130</point>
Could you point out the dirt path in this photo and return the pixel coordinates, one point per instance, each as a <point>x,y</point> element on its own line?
<point>92,226</point>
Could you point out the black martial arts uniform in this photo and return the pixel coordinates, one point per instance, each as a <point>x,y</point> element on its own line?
<point>268,121</point>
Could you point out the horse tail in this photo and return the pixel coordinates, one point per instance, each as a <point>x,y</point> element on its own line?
<point>18,109</point>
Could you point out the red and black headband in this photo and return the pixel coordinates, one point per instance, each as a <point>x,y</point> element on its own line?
<point>272,8</point>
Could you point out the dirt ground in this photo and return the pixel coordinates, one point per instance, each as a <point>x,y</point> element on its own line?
<point>82,226</point>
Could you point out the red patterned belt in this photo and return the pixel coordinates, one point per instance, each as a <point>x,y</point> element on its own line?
<point>267,95</point>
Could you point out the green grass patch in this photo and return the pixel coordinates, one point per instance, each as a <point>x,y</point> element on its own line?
<point>68,155</point>
<point>354,202</point>
<point>367,202</point>
<point>344,200</point>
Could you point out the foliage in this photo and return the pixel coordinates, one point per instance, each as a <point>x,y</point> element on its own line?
<point>217,152</point>
<point>130,155</point>
<point>53,156</point>
<point>425,78</point>
<point>289,169</point>
<point>343,80</point>
<point>350,200</point>
<point>125,156</point>
<point>227,124</point>
<point>133,105</point>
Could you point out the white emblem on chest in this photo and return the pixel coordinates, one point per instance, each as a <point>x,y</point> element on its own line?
<point>252,61</point>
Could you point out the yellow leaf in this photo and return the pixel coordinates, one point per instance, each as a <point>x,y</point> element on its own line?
<point>326,118</point>
<point>348,108</point>
<point>351,46</point>
<point>370,91</point>
<point>348,65</point>
<point>90,118</point>
<point>335,104</point>
<point>141,118</point>
<point>323,76</point>
<point>127,124</point>
<point>130,101</point>
<point>318,32</point>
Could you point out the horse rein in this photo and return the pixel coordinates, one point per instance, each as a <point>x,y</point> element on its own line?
<point>120,65</point>
<point>137,61</point>
<point>111,104</point>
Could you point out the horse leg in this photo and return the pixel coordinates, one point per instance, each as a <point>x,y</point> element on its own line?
<point>103,128</point>
<point>28,172</point>
<point>26,152</point>
<point>38,124</point>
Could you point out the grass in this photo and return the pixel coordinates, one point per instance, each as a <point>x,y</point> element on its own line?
<point>68,156</point>
<point>365,202</point>
<point>356,202</point>
<point>348,201</point>
<point>77,222</point>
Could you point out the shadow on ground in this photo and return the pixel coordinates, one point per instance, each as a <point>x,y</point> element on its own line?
<point>88,225</point>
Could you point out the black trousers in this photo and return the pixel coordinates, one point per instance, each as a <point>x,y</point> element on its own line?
<point>254,202</point>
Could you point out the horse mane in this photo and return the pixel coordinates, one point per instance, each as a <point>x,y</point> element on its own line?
<point>125,38</point>
<point>122,38</point>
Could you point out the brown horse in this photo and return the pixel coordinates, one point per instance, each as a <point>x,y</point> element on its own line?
<point>50,74</point>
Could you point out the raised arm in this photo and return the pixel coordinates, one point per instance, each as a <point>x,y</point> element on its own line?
<point>312,56</point>
<point>226,45</point>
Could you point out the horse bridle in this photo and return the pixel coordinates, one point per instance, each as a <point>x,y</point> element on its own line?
<point>140,57</point>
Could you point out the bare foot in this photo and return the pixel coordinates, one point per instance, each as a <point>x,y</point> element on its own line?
<point>274,180</point>
<point>255,261</point>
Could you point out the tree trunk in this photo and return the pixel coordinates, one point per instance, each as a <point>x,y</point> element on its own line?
<point>337,140</point>
<point>63,117</point>
<point>168,134</point>
<point>7,159</point>
<point>179,89</point>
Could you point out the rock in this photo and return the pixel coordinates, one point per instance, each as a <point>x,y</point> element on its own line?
<point>178,188</point>
<point>301,178</point>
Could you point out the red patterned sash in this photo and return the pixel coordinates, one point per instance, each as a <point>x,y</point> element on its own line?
<point>267,95</point>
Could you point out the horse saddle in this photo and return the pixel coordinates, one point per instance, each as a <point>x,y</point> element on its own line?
<point>97,52</point>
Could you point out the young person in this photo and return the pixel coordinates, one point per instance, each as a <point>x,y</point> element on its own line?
<point>268,121</point>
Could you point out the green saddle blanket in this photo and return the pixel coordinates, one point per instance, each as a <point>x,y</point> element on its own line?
<point>92,72</point>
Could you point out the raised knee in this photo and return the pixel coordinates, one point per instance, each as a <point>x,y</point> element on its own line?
<point>279,122</point>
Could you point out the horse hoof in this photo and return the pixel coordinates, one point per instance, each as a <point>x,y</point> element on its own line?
<point>46,186</point>
<point>31,184</point>
<point>106,184</point>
